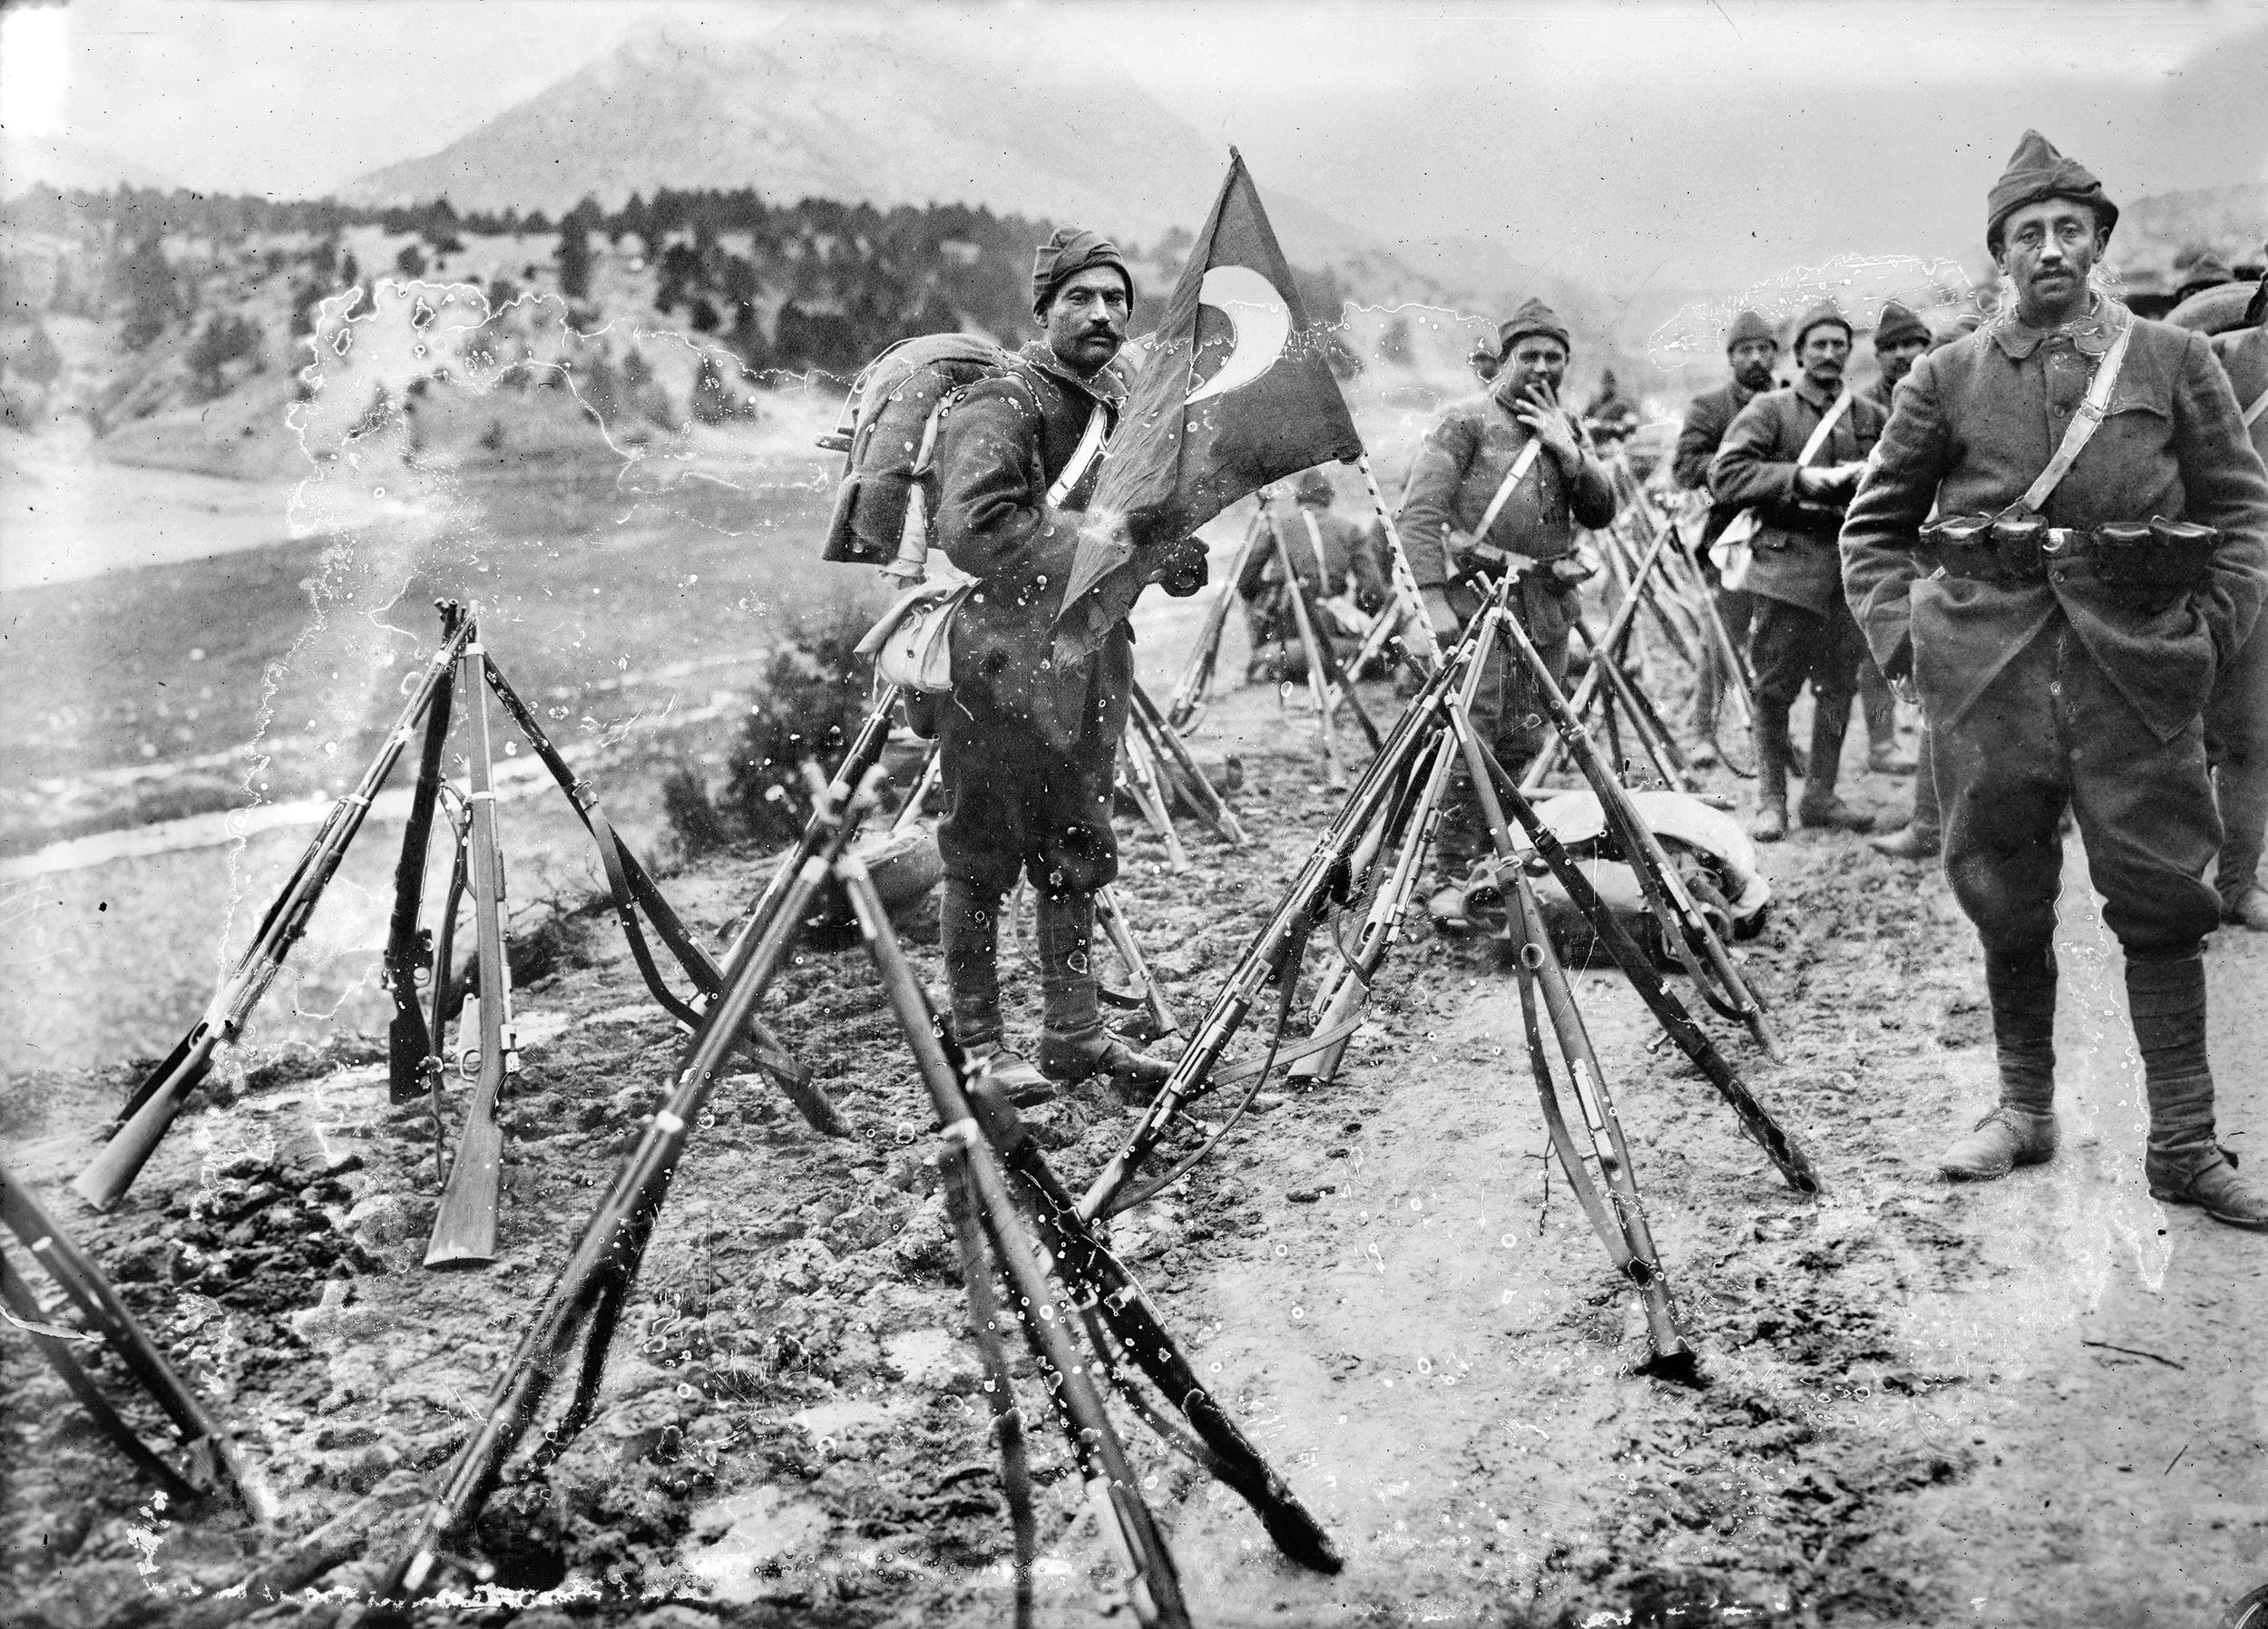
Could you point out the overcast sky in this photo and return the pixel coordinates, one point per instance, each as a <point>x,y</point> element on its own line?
<point>1597,138</point>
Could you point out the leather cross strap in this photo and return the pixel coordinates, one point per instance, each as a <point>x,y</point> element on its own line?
<point>1824,428</point>
<point>1520,466</point>
<point>2259,407</point>
<point>2083,424</point>
<point>1083,455</point>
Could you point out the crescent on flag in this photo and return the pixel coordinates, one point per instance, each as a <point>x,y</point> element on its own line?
<point>1262,321</point>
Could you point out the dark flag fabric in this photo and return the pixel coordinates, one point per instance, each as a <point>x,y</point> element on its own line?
<point>1235,390</point>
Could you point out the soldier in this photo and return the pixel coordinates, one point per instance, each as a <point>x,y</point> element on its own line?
<point>1752,348</point>
<point>2236,719</point>
<point>1029,745</point>
<point>1611,415</point>
<point>1795,455</point>
<point>1516,440</point>
<point>1899,338</point>
<point>2071,670</point>
<point>1330,554</point>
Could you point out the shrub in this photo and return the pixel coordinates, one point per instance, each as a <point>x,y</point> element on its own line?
<point>814,694</point>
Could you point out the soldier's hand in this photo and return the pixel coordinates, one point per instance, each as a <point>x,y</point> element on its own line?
<point>1904,689</point>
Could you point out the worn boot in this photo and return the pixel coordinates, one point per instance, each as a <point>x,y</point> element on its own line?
<point>1772,770</point>
<point>1831,720</point>
<point>968,923</point>
<point>1073,1044</point>
<point>2020,1129</point>
<point>1881,708</point>
<point>2185,1165</point>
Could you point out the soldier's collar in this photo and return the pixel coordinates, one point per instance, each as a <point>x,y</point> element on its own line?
<point>1821,399</point>
<point>2090,333</point>
<point>1108,386</point>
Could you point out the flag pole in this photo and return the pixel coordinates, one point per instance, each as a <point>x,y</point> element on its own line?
<point>1406,587</point>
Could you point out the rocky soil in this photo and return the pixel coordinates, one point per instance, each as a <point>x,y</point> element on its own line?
<point>2040,1402</point>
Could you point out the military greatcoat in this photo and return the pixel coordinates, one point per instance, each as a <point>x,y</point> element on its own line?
<point>2066,690</point>
<point>1029,744</point>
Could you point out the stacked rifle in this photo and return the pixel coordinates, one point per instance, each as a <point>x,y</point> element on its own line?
<point>465,1230</point>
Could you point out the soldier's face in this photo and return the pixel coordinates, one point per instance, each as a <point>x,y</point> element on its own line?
<point>1898,359</point>
<point>2047,251</point>
<point>1822,354</point>
<point>1086,320</point>
<point>1751,361</point>
<point>1537,360</point>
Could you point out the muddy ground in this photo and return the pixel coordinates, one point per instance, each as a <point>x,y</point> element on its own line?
<point>2039,1402</point>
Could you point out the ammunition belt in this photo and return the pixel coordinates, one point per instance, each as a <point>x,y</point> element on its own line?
<point>2153,557</point>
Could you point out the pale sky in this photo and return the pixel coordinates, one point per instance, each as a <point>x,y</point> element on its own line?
<point>1580,134</point>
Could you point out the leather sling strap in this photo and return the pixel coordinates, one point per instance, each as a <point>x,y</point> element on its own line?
<point>2259,407</point>
<point>1082,456</point>
<point>2083,424</point>
<point>1512,478</point>
<point>1824,428</point>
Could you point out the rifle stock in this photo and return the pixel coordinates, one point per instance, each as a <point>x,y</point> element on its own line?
<point>120,1160</point>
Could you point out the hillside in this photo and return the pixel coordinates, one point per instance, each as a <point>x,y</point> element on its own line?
<point>59,165</point>
<point>899,110</point>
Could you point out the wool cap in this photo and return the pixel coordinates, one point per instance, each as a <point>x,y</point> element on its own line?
<point>1532,318</point>
<point>1314,487</point>
<point>1749,325</point>
<point>1819,317</point>
<point>1074,250</point>
<point>2208,270</point>
<point>2039,171</point>
<point>1897,325</point>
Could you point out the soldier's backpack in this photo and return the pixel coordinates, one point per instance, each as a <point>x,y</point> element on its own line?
<point>886,433</point>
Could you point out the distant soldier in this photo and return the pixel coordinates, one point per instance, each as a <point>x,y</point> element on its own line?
<point>2101,551</point>
<point>1794,455</point>
<point>2207,270</point>
<point>1484,361</point>
<point>1029,745</point>
<point>1332,558</point>
<point>1752,348</point>
<point>1511,457</point>
<point>2237,720</point>
<point>1611,415</point>
<point>1899,338</point>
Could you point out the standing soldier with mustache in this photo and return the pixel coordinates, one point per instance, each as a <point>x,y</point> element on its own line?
<point>1795,456</point>
<point>1029,744</point>
<point>1510,469</point>
<point>2065,627</point>
<point>1751,348</point>
<point>2236,719</point>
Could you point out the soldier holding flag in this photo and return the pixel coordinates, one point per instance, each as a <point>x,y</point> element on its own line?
<point>1509,468</point>
<point>1030,741</point>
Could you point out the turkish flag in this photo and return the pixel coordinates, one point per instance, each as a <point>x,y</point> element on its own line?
<point>1235,390</point>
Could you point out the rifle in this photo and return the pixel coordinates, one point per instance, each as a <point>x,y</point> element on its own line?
<point>465,1228</point>
<point>160,1098</point>
<point>1188,700</point>
<point>631,889</point>
<point>408,1042</point>
<point>591,1289</point>
<point>1685,928</point>
<point>1276,950</point>
<point>213,1453</point>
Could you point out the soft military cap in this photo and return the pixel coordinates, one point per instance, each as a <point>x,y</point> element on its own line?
<point>1074,250</point>
<point>1532,318</point>
<point>1816,318</point>
<point>1748,325</point>
<point>1897,325</point>
<point>1314,487</point>
<point>2208,270</point>
<point>2039,171</point>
